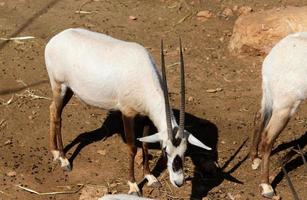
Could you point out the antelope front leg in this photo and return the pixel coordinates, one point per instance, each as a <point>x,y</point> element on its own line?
<point>152,181</point>
<point>132,149</point>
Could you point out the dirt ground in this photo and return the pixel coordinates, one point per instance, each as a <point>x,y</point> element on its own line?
<point>223,119</point>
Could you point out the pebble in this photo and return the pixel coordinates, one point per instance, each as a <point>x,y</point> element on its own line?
<point>204,15</point>
<point>227,12</point>
<point>131,17</point>
<point>244,10</point>
<point>102,152</point>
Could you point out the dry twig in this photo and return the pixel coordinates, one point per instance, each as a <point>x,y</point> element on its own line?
<point>184,18</point>
<point>30,93</point>
<point>172,65</point>
<point>2,123</point>
<point>80,186</point>
<point>17,38</point>
<point>7,102</point>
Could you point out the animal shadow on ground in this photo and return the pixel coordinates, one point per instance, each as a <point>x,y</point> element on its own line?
<point>18,89</point>
<point>207,174</point>
<point>294,154</point>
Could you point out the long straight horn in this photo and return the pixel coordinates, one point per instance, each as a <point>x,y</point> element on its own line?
<point>182,93</point>
<point>166,99</point>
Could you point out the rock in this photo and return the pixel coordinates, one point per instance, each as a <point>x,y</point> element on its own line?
<point>204,15</point>
<point>227,12</point>
<point>244,10</point>
<point>258,32</point>
<point>92,192</point>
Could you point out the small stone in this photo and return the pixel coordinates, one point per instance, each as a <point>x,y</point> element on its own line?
<point>235,8</point>
<point>227,12</point>
<point>11,174</point>
<point>2,3</point>
<point>8,142</point>
<point>191,99</point>
<point>276,197</point>
<point>244,10</point>
<point>102,152</point>
<point>204,15</point>
<point>131,17</point>
<point>214,90</point>
<point>30,117</point>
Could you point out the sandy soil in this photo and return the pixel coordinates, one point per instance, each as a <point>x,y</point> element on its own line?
<point>223,119</point>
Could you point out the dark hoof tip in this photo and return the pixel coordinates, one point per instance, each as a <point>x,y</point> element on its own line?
<point>67,168</point>
<point>268,195</point>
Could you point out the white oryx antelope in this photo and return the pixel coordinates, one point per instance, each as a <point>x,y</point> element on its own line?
<point>116,75</point>
<point>284,87</point>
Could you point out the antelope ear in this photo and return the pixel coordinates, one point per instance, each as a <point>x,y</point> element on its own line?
<point>152,138</point>
<point>194,141</point>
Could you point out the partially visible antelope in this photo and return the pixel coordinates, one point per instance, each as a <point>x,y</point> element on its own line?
<point>116,75</point>
<point>284,87</point>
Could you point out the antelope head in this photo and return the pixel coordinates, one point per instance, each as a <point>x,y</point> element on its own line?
<point>174,140</point>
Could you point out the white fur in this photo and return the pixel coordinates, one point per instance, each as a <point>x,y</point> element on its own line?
<point>122,197</point>
<point>284,71</point>
<point>284,84</point>
<point>111,74</point>
<point>267,190</point>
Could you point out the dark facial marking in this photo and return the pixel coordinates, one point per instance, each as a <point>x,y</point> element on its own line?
<point>177,163</point>
<point>164,152</point>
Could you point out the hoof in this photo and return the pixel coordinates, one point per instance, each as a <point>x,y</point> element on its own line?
<point>66,168</point>
<point>56,155</point>
<point>152,181</point>
<point>256,163</point>
<point>134,189</point>
<point>267,190</point>
<point>65,165</point>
